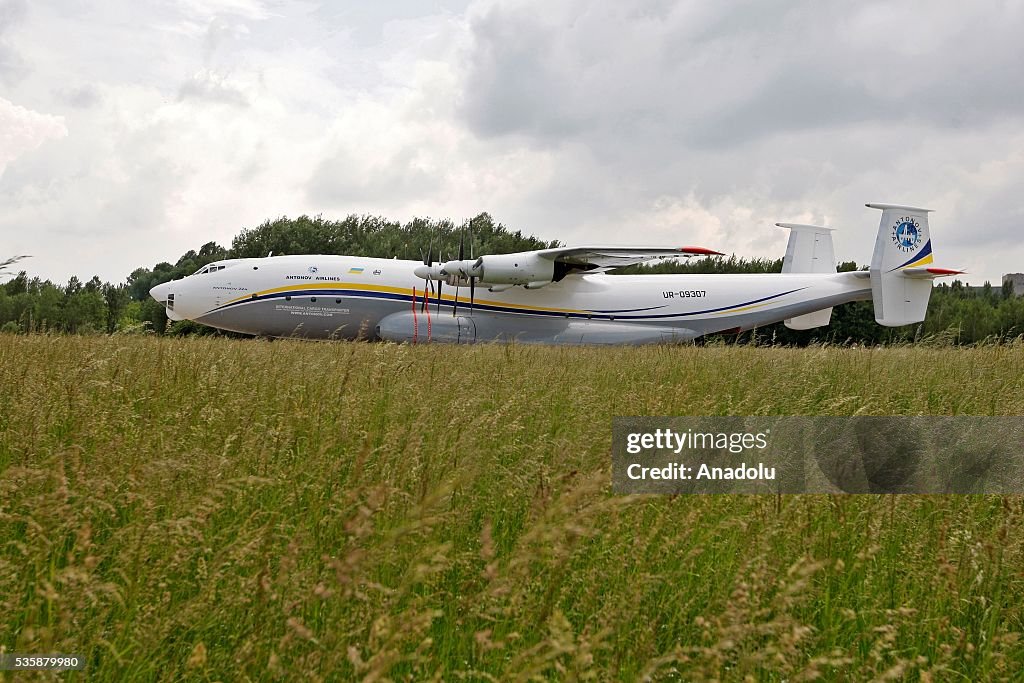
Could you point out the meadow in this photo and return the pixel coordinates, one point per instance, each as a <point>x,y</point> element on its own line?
<point>217,509</point>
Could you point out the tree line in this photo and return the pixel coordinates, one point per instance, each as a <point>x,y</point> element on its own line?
<point>956,313</point>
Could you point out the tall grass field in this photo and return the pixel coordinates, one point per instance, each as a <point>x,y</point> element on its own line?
<point>214,509</point>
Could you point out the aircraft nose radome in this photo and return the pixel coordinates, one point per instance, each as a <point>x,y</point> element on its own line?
<point>160,292</point>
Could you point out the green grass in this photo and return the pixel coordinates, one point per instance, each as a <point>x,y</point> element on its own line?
<point>215,509</point>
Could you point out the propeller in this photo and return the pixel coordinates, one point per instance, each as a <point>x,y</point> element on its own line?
<point>454,272</point>
<point>462,255</point>
<point>428,261</point>
<point>471,269</point>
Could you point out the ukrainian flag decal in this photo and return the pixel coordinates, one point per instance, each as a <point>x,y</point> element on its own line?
<point>356,271</point>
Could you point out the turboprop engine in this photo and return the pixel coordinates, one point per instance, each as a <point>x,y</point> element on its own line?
<point>527,269</point>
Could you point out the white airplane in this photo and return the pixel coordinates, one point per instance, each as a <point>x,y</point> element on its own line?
<point>557,296</point>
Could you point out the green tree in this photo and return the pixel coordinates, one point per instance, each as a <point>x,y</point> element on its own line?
<point>377,237</point>
<point>18,285</point>
<point>85,311</point>
<point>46,304</point>
<point>116,298</point>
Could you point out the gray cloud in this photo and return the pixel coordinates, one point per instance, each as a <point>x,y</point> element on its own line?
<point>81,97</point>
<point>344,178</point>
<point>719,76</point>
<point>518,81</point>
<point>13,66</point>
<point>220,32</point>
<point>11,12</point>
<point>767,110</point>
<point>663,121</point>
<point>210,86</point>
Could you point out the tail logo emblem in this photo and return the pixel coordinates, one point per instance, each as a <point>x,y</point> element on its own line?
<point>906,234</point>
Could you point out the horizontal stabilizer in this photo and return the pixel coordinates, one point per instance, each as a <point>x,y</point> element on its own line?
<point>809,321</point>
<point>930,273</point>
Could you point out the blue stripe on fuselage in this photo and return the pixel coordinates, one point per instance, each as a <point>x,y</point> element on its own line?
<point>599,315</point>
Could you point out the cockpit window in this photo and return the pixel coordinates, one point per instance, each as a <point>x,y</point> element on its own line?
<point>213,268</point>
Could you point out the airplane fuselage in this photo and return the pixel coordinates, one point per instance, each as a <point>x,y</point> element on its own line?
<point>349,297</point>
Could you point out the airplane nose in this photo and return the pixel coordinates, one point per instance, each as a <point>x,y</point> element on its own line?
<point>160,292</point>
<point>164,295</point>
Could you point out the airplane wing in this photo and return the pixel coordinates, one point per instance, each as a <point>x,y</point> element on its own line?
<point>609,257</point>
<point>534,269</point>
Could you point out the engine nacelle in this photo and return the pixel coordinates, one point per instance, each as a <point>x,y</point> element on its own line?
<point>516,269</point>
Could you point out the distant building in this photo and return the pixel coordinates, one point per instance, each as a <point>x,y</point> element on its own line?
<point>1016,281</point>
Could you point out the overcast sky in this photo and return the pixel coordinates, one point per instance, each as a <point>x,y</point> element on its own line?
<point>131,132</point>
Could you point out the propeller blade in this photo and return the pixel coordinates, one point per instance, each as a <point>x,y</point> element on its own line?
<point>428,283</point>
<point>439,260</point>
<point>472,280</point>
<point>430,260</point>
<point>448,257</point>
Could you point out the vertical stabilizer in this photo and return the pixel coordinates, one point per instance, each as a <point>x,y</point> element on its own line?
<point>903,247</point>
<point>809,250</point>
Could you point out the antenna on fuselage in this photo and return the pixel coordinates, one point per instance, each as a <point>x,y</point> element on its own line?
<point>271,253</point>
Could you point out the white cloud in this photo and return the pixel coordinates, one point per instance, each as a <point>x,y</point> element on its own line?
<point>211,10</point>
<point>23,130</point>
